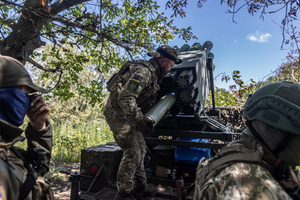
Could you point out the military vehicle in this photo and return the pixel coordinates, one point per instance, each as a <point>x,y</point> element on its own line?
<point>184,133</point>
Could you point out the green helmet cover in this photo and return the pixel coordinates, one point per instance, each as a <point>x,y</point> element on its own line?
<point>277,104</point>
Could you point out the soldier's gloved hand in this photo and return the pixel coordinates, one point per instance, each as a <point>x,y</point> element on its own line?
<point>145,125</point>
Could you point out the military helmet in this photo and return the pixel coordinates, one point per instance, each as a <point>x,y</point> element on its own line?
<point>277,104</point>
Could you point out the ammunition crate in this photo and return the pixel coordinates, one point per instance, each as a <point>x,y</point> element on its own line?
<point>105,157</point>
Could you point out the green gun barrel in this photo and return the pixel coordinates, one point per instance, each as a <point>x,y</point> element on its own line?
<point>158,111</point>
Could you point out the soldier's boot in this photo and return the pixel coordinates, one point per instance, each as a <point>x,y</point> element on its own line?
<point>140,193</point>
<point>124,196</point>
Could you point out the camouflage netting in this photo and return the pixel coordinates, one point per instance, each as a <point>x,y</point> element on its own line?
<point>232,117</point>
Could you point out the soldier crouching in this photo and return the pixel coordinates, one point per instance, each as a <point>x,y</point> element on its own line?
<point>262,164</point>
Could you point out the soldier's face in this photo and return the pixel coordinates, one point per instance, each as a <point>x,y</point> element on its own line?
<point>24,89</point>
<point>167,64</point>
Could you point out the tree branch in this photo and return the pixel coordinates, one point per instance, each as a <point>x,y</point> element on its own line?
<point>43,68</point>
<point>71,22</point>
<point>292,75</point>
<point>40,17</point>
<point>60,75</point>
<point>62,5</point>
<point>65,4</point>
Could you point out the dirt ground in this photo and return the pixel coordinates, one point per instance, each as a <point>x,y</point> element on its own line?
<point>62,187</point>
<point>60,181</point>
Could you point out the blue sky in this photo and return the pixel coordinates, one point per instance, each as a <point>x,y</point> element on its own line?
<point>252,45</point>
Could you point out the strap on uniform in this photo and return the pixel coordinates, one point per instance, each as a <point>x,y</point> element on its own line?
<point>27,186</point>
<point>246,157</point>
<point>286,139</point>
<point>256,134</point>
<point>283,143</point>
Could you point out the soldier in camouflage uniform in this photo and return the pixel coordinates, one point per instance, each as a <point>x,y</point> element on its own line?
<point>124,112</point>
<point>20,170</point>
<point>262,164</point>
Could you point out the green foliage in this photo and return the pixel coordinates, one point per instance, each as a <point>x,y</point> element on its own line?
<point>78,75</point>
<point>239,92</point>
<point>6,20</point>
<point>289,70</point>
<point>223,98</point>
<point>241,89</point>
<point>70,138</point>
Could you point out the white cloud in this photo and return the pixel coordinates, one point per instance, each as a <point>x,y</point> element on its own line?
<point>259,37</point>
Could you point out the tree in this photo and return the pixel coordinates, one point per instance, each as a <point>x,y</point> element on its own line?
<point>289,70</point>
<point>96,34</point>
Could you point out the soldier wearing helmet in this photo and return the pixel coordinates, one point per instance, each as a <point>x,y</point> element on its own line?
<point>21,170</point>
<point>262,164</point>
<point>133,91</point>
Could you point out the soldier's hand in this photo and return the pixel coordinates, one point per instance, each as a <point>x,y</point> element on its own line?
<point>38,112</point>
<point>166,114</point>
<point>145,125</point>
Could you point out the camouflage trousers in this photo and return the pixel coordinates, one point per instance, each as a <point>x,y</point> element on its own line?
<point>131,174</point>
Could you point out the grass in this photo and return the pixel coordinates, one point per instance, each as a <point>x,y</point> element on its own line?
<point>70,137</point>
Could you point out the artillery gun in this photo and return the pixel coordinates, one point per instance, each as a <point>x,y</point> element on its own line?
<point>183,134</point>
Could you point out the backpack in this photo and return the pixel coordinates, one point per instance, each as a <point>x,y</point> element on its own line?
<point>117,77</point>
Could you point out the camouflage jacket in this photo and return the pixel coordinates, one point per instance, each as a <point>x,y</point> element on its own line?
<point>238,171</point>
<point>13,173</point>
<point>136,91</point>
